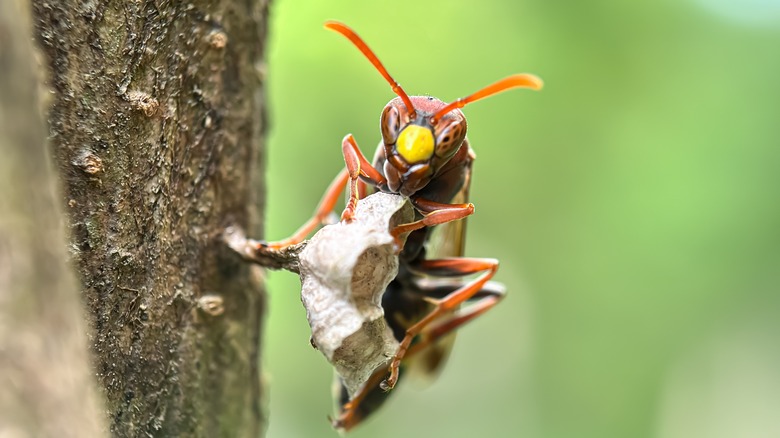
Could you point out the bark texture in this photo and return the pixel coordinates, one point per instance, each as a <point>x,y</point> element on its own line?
<point>46,383</point>
<point>155,128</point>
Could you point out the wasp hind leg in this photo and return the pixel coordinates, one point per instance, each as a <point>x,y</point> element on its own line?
<point>352,412</point>
<point>440,321</point>
<point>363,404</point>
<point>487,297</point>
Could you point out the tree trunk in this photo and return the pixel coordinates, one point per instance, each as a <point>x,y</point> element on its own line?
<point>46,385</point>
<point>155,128</point>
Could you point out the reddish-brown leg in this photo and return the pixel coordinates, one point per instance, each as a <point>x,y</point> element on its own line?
<point>444,268</point>
<point>357,166</point>
<point>328,202</point>
<point>490,295</point>
<point>441,329</point>
<point>347,420</point>
<point>435,214</point>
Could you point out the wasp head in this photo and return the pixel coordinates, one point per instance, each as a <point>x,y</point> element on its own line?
<point>422,133</point>
<point>416,145</point>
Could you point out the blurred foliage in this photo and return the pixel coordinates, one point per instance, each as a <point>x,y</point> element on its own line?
<point>633,204</point>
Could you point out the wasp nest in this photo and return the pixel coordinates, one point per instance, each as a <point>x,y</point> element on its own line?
<point>344,271</point>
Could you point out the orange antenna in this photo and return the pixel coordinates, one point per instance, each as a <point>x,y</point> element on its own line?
<point>514,81</point>
<point>360,44</point>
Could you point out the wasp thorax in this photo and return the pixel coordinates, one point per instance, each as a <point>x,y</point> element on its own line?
<point>415,144</point>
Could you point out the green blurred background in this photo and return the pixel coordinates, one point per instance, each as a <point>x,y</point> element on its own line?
<point>633,204</point>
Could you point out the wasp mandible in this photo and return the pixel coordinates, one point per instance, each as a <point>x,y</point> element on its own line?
<point>423,155</point>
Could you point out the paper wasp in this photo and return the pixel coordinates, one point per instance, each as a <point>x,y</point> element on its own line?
<point>424,156</point>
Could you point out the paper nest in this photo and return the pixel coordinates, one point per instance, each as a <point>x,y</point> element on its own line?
<point>344,271</point>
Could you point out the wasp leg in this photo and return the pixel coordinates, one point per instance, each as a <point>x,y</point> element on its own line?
<point>358,166</point>
<point>449,267</point>
<point>438,288</point>
<point>435,213</point>
<point>351,413</point>
<point>490,295</point>
<point>324,209</point>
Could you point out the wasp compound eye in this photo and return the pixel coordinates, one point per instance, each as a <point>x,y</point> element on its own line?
<point>449,139</point>
<point>391,124</point>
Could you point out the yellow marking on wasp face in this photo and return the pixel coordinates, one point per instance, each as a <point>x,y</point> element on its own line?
<point>415,143</point>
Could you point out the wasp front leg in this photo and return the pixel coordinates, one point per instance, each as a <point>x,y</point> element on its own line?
<point>357,167</point>
<point>325,207</point>
<point>450,267</point>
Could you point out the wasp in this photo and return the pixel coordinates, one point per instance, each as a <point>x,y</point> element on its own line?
<point>423,155</point>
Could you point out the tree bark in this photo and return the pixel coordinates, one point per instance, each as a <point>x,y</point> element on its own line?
<point>155,127</point>
<point>46,385</point>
